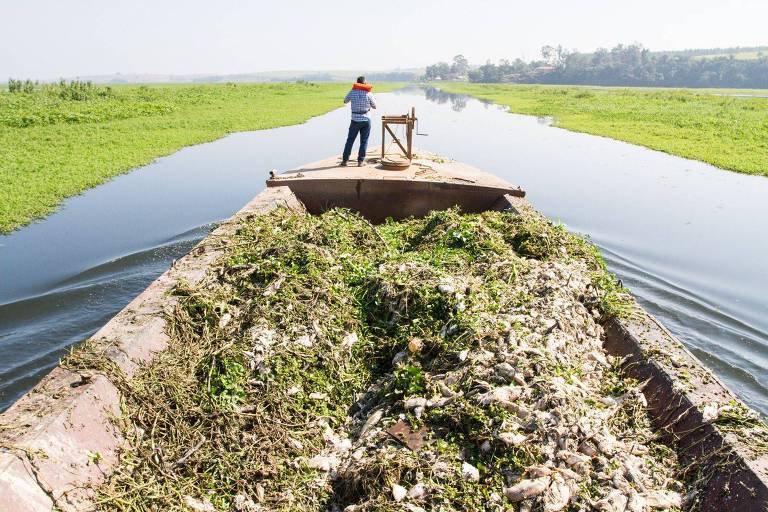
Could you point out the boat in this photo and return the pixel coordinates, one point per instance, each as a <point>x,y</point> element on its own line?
<point>58,441</point>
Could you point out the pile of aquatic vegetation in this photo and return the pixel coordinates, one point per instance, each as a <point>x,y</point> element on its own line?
<point>447,363</point>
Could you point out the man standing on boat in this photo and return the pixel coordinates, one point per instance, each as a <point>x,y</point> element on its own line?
<point>362,102</point>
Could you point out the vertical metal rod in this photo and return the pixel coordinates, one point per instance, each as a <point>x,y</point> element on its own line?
<point>409,132</point>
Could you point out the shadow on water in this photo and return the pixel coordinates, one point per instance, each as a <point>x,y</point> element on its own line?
<point>685,237</point>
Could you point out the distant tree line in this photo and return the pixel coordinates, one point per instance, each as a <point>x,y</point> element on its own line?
<point>623,65</point>
<point>457,70</point>
<point>392,76</point>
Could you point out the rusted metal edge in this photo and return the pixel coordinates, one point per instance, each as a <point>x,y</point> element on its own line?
<point>380,199</point>
<point>679,389</point>
<point>58,441</point>
<point>444,183</point>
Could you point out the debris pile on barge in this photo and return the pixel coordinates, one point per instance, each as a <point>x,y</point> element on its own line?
<point>453,362</point>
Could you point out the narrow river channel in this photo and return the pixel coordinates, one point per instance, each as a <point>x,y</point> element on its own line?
<point>689,240</point>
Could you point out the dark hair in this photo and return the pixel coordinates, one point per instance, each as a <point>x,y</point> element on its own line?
<point>361,79</point>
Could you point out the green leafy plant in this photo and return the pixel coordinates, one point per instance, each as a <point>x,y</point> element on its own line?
<point>227,380</point>
<point>410,380</point>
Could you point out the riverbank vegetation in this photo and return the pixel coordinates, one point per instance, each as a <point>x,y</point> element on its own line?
<point>57,140</point>
<point>725,131</point>
<point>432,364</point>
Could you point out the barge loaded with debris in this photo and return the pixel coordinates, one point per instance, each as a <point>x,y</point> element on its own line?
<point>357,339</point>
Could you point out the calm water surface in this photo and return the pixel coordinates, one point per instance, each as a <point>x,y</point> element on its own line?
<point>688,239</point>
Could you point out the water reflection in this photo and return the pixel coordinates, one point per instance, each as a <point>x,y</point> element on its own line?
<point>458,101</point>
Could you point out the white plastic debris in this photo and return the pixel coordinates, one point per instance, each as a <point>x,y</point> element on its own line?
<point>557,495</point>
<point>636,502</point>
<point>399,492</point>
<point>414,402</point>
<point>663,500</point>
<point>710,412</point>
<point>304,340</point>
<point>349,340</point>
<point>512,438</point>
<point>372,420</point>
<point>224,320</point>
<point>323,462</point>
<point>470,472</point>
<point>525,489</point>
<point>242,503</point>
<point>503,396</point>
<point>445,288</point>
<point>199,505</point>
<point>417,492</point>
<point>616,501</point>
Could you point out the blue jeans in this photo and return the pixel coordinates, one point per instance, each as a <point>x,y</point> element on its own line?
<point>355,127</point>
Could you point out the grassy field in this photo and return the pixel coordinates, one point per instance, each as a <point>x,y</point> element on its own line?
<point>728,132</point>
<point>60,140</point>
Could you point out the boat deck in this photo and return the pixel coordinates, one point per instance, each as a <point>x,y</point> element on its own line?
<point>426,166</point>
<point>430,183</point>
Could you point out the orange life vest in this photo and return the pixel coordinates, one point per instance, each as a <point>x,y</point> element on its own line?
<point>362,87</point>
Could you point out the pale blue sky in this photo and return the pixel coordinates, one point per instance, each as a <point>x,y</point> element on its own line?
<point>53,38</point>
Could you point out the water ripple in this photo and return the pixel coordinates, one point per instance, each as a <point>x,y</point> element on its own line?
<point>74,308</point>
<point>736,350</point>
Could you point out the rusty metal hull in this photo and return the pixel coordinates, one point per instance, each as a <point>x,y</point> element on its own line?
<point>46,437</point>
<point>379,199</point>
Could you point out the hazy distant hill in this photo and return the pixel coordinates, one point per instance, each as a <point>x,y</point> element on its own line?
<point>395,75</point>
<point>738,52</point>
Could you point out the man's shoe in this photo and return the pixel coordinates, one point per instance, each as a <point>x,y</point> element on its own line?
<point>359,163</point>
<point>343,163</point>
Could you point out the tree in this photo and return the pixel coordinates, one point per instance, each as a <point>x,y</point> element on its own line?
<point>460,66</point>
<point>441,70</point>
<point>555,55</point>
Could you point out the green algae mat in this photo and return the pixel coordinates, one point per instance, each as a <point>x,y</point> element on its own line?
<point>63,139</point>
<point>453,362</point>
